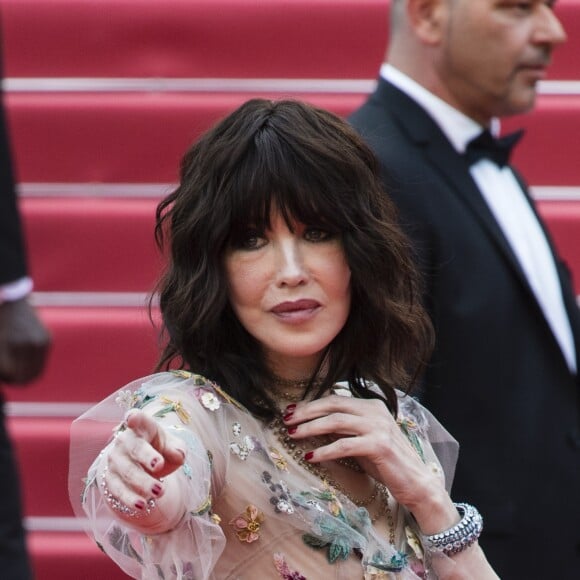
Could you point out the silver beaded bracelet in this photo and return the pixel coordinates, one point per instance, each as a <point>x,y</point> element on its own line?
<point>460,536</point>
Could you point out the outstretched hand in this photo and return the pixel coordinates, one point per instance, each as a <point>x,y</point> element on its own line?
<point>139,458</point>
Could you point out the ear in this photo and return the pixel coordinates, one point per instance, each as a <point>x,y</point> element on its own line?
<point>428,18</point>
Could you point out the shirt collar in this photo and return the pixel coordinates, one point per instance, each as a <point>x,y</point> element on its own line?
<point>457,127</point>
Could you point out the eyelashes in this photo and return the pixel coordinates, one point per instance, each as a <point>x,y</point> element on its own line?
<point>253,239</point>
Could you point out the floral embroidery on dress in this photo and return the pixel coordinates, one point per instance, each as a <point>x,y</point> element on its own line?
<point>284,570</point>
<point>245,446</point>
<point>380,567</point>
<point>209,400</point>
<point>278,459</point>
<point>172,406</point>
<point>186,573</point>
<point>120,541</point>
<point>282,499</point>
<point>345,531</point>
<point>183,374</point>
<point>335,532</point>
<point>410,428</point>
<point>247,525</point>
<point>127,399</point>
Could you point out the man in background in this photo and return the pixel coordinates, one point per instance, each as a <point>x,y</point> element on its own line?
<point>503,378</point>
<point>23,348</point>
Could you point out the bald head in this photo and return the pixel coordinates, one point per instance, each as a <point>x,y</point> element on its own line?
<point>481,56</point>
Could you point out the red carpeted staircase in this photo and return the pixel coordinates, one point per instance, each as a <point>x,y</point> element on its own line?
<point>104,96</point>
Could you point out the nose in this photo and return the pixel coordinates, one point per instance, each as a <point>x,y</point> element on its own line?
<point>291,270</point>
<point>549,29</point>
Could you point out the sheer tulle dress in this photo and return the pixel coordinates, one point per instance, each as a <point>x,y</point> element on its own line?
<point>253,511</point>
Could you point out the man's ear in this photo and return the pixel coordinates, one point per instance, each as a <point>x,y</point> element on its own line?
<point>428,18</point>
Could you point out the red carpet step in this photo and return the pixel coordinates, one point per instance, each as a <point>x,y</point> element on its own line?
<point>213,38</point>
<point>141,137</point>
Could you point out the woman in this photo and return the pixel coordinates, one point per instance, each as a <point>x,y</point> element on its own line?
<point>284,450</point>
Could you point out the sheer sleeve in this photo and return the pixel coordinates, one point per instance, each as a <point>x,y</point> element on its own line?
<point>191,549</point>
<point>432,441</point>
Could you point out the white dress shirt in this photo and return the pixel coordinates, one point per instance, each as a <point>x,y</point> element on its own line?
<point>507,202</point>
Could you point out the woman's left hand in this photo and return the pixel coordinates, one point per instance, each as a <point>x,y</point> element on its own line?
<point>365,429</point>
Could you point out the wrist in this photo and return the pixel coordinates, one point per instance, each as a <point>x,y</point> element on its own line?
<point>435,512</point>
<point>459,537</point>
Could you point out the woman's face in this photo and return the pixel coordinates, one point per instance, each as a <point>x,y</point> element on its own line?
<point>290,291</point>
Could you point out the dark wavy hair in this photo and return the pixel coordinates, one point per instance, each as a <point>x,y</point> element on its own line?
<point>315,169</point>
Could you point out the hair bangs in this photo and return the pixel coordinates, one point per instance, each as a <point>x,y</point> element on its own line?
<point>275,176</point>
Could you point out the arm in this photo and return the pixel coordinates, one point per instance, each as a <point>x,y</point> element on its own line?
<point>24,342</point>
<point>147,525</point>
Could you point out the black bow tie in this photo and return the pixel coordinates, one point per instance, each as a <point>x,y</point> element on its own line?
<point>498,150</point>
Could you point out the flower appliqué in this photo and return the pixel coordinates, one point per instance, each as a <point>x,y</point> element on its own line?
<point>284,570</point>
<point>209,400</point>
<point>245,446</point>
<point>248,524</point>
<point>281,498</point>
<point>278,459</point>
<point>125,399</point>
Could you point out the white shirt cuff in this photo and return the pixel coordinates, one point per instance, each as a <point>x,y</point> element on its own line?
<point>15,290</point>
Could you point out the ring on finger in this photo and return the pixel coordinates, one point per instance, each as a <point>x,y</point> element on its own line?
<point>117,505</point>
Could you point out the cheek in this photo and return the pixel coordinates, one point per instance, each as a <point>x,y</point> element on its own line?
<point>339,286</point>
<point>243,286</point>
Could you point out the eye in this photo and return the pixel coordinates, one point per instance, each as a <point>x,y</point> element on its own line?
<point>315,234</point>
<point>249,240</point>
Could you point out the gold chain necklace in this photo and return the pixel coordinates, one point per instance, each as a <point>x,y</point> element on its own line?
<point>294,389</point>
<point>379,490</point>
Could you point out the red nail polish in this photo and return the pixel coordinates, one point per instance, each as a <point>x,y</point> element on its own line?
<point>292,430</point>
<point>287,416</point>
<point>140,504</point>
<point>308,455</point>
<point>156,489</point>
<point>290,408</point>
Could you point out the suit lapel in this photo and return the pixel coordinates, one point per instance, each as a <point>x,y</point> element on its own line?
<point>445,161</point>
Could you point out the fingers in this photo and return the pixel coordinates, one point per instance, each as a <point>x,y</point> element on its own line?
<point>131,500</point>
<point>164,452</point>
<point>139,458</point>
<point>336,415</point>
<point>301,412</point>
<point>350,427</point>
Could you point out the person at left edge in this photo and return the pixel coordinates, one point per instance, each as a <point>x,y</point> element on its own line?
<point>24,345</point>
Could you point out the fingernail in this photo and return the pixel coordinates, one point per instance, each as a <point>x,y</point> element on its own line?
<point>308,455</point>
<point>287,416</point>
<point>140,504</point>
<point>292,430</point>
<point>154,462</point>
<point>156,489</point>
<point>290,408</point>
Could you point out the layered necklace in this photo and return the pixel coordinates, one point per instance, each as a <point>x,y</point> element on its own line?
<point>294,392</point>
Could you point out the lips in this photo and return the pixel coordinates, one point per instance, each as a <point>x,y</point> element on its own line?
<point>295,306</point>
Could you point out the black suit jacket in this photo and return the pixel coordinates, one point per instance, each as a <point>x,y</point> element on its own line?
<point>497,379</point>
